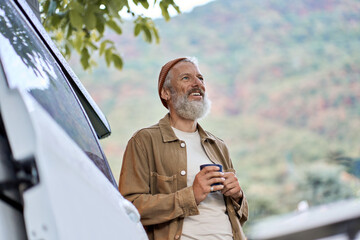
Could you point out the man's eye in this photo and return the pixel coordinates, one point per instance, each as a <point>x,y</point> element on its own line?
<point>201,79</point>
<point>185,78</point>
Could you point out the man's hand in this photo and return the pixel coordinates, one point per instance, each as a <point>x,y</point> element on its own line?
<point>203,181</point>
<point>232,187</point>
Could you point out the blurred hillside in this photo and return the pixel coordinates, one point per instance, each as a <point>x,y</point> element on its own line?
<point>284,78</point>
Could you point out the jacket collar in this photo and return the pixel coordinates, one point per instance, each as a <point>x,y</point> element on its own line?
<point>168,134</point>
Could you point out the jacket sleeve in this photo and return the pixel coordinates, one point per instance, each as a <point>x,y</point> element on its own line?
<point>134,185</point>
<point>242,209</point>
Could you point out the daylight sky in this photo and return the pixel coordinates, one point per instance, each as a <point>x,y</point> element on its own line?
<point>185,6</point>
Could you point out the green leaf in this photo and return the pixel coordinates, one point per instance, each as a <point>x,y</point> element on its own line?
<point>67,51</point>
<point>145,4</point>
<point>137,29</point>
<point>147,34</point>
<point>90,20</point>
<point>108,56</point>
<point>156,34</point>
<point>69,31</point>
<point>78,42</point>
<point>164,11</point>
<point>85,56</point>
<point>92,45</point>
<point>45,6</point>
<point>52,7</point>
<point>103,46</point>
<point>65,21</point>
<point>113,7</point>
<point>100,23</point>
<point>55,20</point>
<point>117,61</point>
<point>177,9</point>
<point>76,19</point>
<point>112,24</point>
<point>76,6</point>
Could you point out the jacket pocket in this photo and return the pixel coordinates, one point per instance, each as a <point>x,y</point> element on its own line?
<point>163,184</point>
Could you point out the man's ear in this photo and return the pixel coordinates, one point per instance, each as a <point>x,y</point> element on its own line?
<point>165,94</point>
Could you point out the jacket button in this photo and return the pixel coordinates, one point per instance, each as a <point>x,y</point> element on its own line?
<point>177,236</point>
<point>182,144</point>
<point>183,172</point>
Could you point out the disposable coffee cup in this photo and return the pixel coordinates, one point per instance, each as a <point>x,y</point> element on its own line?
<point>212,164</point>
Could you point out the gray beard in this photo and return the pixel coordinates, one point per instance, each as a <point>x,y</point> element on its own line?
<point>191,110</point>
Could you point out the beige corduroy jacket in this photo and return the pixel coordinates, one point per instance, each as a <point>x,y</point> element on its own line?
<point>153,178</point>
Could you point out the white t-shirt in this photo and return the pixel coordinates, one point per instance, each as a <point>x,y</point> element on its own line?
<point>212,223</point>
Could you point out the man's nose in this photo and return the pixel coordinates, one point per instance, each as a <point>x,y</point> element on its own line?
<point>196,81</point>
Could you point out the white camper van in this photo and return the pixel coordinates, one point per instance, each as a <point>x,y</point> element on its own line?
<point>55,182</point>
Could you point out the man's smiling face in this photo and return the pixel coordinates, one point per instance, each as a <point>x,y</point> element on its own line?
<point>188,97</point>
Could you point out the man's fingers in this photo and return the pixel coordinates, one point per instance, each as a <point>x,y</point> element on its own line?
<point>215,188</point>
<point>227,187</point>
<point>231,186</point>
<point>211,175</point>
<point>216,180</point>
<point>230,176</point>
<point>208,169</point>
<point>230,192</point>
<point>231,189</point>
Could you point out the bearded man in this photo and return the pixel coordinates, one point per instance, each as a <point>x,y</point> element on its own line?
<point>161,172</point>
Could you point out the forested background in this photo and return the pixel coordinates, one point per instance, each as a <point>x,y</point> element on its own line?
<point>284,78</point>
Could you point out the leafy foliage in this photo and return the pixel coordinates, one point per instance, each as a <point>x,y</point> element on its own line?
<point>324,186</point>
<point>81,24</point>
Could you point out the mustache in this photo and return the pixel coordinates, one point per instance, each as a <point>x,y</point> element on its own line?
<point>196,90</point>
